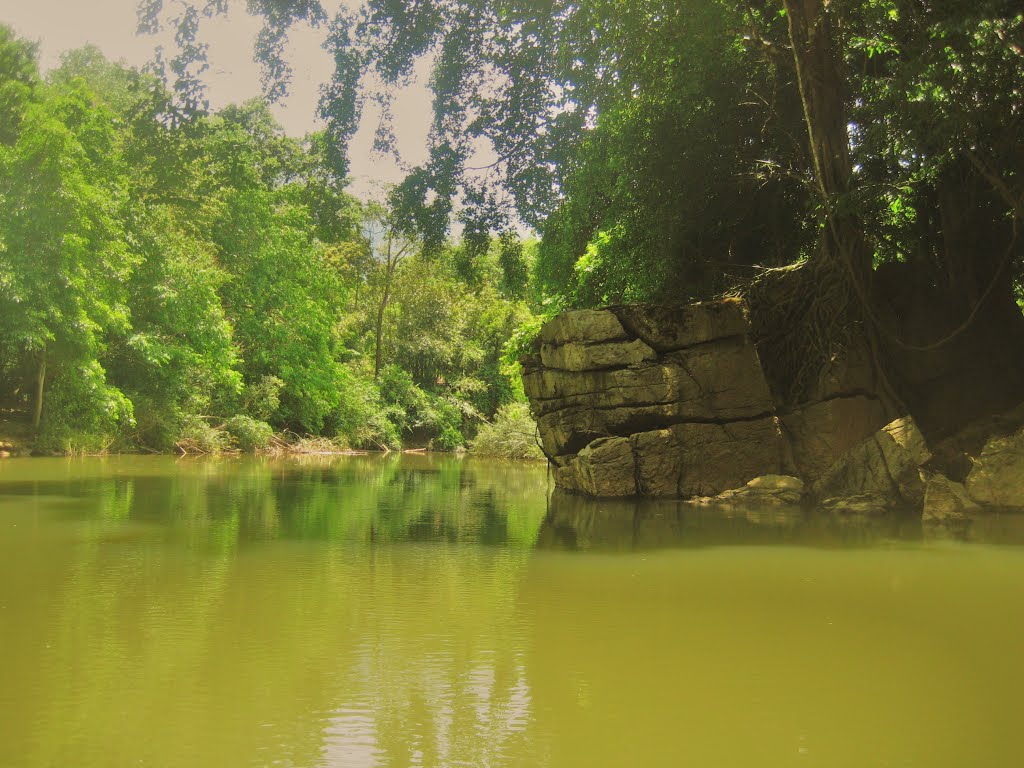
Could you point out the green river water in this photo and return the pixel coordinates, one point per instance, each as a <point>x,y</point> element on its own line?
<point>417,611</point>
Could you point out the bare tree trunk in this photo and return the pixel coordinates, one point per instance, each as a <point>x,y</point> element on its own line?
<point>378,350</point>
<point>40,383</point>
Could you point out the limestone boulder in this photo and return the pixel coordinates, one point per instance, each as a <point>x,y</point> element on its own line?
<point>997,475</point>
<point>946,500</point>
<point>682,461</point>
<point>724,381</point>
<point>579,356</point>
<point>667,329</point>
<point>699,459</point>
<point>821,433</point>
<point>674,402</point>
<point>605,467</point>
<point>591,326</point>
<point>716,383</point>
<point>886,466</point>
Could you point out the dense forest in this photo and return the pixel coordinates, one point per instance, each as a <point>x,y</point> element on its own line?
<point>170,278</point>
<point>855,169</point>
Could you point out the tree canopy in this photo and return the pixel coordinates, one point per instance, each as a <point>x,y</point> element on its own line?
<point>854,168</point>
<point>660,146</point>
<point>170,276</point>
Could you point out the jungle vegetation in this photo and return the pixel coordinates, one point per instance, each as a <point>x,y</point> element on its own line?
<point>854,168</point>
<point>171,277</point>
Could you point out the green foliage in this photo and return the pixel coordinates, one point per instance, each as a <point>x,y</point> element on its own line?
<point>515,270</point>
<point>84,413</point>
<point>360,419</point>
<point>178,270</point>
<point>414,411</point>
<point>660,146</point>
<point>263,398</point>
<point>512,434</point>
<point>199,436</point>
<point>19,76</point>
<point>249,434</point>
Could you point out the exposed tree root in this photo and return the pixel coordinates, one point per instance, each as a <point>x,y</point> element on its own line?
<point>803,317</point>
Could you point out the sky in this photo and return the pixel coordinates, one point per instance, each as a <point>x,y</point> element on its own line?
<point>62,25</point>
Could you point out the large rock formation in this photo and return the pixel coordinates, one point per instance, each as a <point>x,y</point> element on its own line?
<point>673,402</point>
<point>997,477</point>
<point>878,475</point>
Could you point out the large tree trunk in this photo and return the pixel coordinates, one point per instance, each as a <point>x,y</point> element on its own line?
<point>807,317</point>
<point>823,93</point>
<point>944,343</point>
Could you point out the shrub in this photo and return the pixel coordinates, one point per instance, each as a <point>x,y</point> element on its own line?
<point>443,417</point>
<point>361,419</point>
<point>263,398</point>
<point>512,435</point>
<point>197,436</point>
<point>82,413</point>
<point>249,434</point>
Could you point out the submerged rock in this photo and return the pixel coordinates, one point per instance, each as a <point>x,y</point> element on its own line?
<point>875,504</point>
<point>766,490</point>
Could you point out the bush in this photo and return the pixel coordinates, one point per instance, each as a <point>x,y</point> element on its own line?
<point>411,409</point>
<point>263,398</point>
<point>512,435</point>
<point>443,417</point>
<point>196,436</point>
<point>361,419</point>
<point>249,434</point>
<point>82,413</point>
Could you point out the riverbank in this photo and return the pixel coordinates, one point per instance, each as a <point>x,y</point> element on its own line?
<point>15,437</point>
<point>511,434</point>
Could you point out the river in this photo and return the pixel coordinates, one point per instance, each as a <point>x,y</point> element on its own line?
<point>423,611</point>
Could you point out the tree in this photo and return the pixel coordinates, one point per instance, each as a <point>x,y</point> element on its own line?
<point>64,262</point>
<point>19,77</point>
<point>390,246</point>
<point>923,135</point>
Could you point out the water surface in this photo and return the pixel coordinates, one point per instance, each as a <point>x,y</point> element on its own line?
<point>415,611</point>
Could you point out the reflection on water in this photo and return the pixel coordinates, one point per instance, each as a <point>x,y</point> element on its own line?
<point>244,612</point>
<point>414,611</point>
<point>581,524</point>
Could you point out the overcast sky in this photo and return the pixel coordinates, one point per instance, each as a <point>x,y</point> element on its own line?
<point>61,25</point>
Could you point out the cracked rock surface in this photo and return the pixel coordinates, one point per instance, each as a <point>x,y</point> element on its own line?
<point>673,402</point>
<point>997,475</point>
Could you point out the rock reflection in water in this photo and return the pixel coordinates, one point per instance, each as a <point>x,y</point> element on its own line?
<point>999,528</point>
<point>578,523</point>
